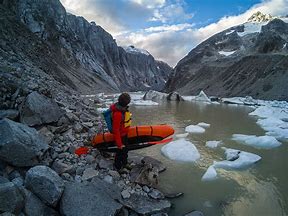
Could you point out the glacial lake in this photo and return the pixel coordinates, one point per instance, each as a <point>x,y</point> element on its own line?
<point>262,189</point>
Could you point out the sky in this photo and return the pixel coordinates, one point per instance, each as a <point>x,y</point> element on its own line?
<point>169,29</point>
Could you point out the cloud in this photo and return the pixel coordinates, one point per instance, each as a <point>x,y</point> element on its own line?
<point>171,43</point>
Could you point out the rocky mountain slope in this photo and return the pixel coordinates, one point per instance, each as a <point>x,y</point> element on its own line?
<point>249,59</point>
<point>77,54</point>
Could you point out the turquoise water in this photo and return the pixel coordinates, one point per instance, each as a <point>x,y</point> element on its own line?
<point>260,190</point>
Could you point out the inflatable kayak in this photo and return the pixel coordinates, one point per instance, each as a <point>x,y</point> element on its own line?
<point>138,137</point>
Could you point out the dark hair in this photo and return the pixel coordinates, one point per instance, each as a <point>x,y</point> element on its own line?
<point>124,99</point>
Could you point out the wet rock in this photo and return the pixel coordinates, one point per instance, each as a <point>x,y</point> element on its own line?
<point>115,175</point>
<point>146,206</point>
<point>89,159</point>
<point>194,213</point>
<point>89,173</point>
<point>144,175</point>
<point>7,214</point>
<point>11,199</point>
<point>155,163</point>
<point>10,114</point>
<point>20,145</point>
<point>173,195</point>
<point>19,182</point>
<point>45,183</point>
<point>47,134</point>
<point>78,127</point>
<point>34,110</point>
<point>34,206</point>
<point>60,167</point>
<point>146,189</point>
<point>174,96</point>
<point>125,194</point>
<point>105,164</point>
<point>155,194</point>
<point>87,199</point>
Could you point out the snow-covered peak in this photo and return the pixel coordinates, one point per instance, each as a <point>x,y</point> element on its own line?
<point>132,49</point>
<point>259,17</point>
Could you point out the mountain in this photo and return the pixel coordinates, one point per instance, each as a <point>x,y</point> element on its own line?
<point>41,37</point>
<point>248,59</point>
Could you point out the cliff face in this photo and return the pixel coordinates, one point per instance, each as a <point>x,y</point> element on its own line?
<point>249,59</point>
<point>76,53</point>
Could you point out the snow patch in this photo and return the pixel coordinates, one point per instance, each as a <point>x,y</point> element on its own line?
<point>213,144</point>
<point>194,129</point>
<point>265,142</point>
<point>181,150</point>
<point>250,28</point>
<point>226,53</point>
<point>230,32</point>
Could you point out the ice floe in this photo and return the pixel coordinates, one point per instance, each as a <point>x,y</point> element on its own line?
<point>181,150</point>
<point>204,125</point>
<point>210,174</point>
<point>194,129</point>
<point>241,101</point>
<point>202,97</point>
<point>235,159</point>
<point>213,144</point>
<point>144,103</point>
<point>273,119</point>
<point>265,142</point>
<point>184,135</point>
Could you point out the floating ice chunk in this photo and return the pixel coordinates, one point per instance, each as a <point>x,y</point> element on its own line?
<point>184,135</point>
<point>181,150</point>
<point>210,174</point>
<point>265,142</point>
<point>144,103</point>
<point>237,159</point>
<point>269,111</point>
<point>194,129</point>
<point>213,144</point>
<point>226,53</point>
<point>202,97</point>
<point>203,124</point>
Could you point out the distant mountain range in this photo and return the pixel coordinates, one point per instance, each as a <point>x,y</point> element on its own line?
<point>248,59</point>
<point>79,55</point>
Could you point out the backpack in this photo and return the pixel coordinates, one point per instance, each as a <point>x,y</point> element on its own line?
<point>109,122</point>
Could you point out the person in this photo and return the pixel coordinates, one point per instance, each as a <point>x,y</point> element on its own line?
<point>120,129</point>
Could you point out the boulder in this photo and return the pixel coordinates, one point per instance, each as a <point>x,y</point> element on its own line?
<point>174,96</point>
<point>10,114</point>
<point>146,206</point>
<point>88,199</point>
<point>34,206</point>
<point>144,174</point>
<point>38,109</point>
<point>154,96</point>
<point>45,183</point>
<point>155,163</point>
<point>11,199</point>
<point>20,145</point>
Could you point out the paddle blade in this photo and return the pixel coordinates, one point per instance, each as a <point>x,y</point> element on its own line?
<point>161,141</point>
<point>82,151</point>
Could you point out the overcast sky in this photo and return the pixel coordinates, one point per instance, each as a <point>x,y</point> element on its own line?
<point>169,29</point>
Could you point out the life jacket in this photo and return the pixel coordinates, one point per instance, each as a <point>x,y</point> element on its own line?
<point>108,116</point>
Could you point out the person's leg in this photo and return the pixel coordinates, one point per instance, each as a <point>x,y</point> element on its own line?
<point>125,151</point>
<point>118,159</point>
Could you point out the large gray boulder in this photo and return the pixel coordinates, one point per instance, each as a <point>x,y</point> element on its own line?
<point>35,207</point>
<point>146,206</point>
<point>11,199</point>
<point>20,145</point>
<point>88,199</point>
<point>10,114</point>
<point>45,183</point>
<point>155,96</point>
<point>38,109</point>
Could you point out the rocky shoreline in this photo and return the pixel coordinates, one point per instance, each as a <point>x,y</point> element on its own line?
<point>41,175</point>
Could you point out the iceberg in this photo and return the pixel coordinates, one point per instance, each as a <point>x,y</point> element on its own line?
<point>194,129</point>
<point>181,150</point>
<point>210,174</point>
<point>203,124</point>
<point>265,142</point>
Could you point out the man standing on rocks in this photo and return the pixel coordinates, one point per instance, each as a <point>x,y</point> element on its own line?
<point>120,126</point>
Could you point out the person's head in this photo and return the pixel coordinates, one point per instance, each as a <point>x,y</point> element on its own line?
<point>124,99</point>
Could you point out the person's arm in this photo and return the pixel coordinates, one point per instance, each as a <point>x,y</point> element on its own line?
<point>117,117</point>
